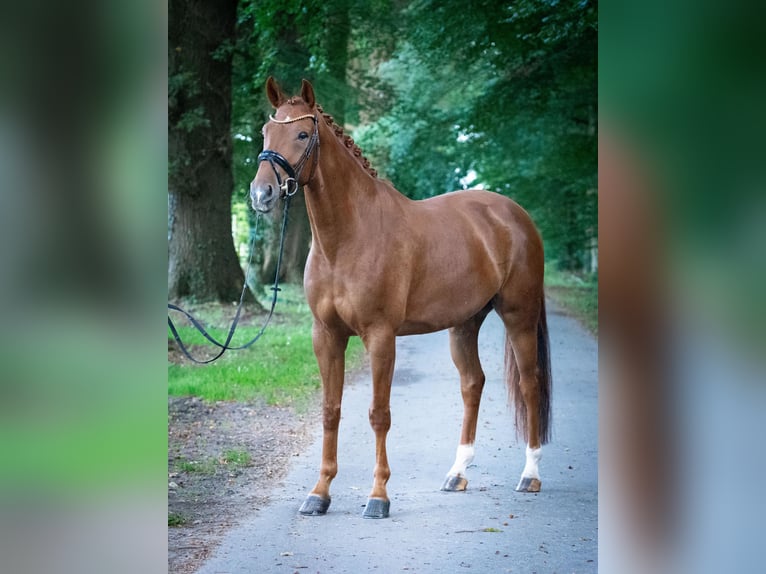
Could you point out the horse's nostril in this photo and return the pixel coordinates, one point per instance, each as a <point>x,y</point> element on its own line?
<point>260,194</point>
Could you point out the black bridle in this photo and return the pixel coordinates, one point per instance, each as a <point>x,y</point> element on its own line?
<point>290,185</point>
<point>288,188</point>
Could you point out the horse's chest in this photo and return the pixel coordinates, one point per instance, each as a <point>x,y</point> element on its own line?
<point>334,302</point>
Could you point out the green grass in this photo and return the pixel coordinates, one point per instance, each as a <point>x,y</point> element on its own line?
<point>576,293</point>
<point>175,519</point>
<point>236,458</point>
<point>231,459</point>
<point>279,369</point>
<point>196,466</point>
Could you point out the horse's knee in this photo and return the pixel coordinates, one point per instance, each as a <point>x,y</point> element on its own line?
<point>380,419</point>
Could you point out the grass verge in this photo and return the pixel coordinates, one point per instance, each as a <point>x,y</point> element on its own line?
<point>279,369</point>
<point>576,293</point>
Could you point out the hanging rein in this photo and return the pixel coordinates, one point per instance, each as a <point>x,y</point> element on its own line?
<point>288,189</point>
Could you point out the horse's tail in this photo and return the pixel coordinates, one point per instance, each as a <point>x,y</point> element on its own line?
<point>544,381</point>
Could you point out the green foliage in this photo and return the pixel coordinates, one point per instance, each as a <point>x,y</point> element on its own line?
<point>415,143</point>
<point>183,86</point>
<point>193,119</point>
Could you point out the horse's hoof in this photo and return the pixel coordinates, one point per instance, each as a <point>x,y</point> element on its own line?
<point>376,508</point>
<point>528,485</point>
<point>455,483</point>
<point>314,505</point>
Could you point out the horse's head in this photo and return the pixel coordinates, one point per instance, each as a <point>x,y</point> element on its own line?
<point>290,147</point>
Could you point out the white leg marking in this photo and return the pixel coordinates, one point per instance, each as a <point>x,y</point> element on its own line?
<point>531,469</point>
<point>463,458</point>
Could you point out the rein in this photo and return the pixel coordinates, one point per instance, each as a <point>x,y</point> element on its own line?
<point>275,288</point>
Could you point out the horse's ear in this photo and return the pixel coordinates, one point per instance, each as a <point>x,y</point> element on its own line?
<point>307,93</point>
<point>274,92</point>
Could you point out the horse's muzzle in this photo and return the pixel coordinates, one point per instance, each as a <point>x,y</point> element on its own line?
<point>263,197</point>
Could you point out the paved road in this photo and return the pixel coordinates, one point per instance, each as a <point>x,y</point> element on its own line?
<point>430,531</point>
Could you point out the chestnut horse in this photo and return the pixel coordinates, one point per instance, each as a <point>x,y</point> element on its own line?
<point>382,265</point>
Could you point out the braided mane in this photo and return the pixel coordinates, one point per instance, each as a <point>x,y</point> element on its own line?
<point>348,141</point>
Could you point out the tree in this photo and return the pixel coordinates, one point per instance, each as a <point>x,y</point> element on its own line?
<point>202,261</point>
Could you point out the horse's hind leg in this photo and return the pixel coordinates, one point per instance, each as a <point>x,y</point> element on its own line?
<point>465,354</point>
<point>529,383</point>
<point>525,353</point>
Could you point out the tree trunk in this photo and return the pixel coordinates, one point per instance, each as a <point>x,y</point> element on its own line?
<point>203,264</point>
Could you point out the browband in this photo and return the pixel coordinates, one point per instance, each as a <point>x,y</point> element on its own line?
<point>291,120</point>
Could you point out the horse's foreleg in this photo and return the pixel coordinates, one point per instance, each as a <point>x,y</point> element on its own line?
<point>382,349</point>
<point>330,350</point>
<point>465,354</point>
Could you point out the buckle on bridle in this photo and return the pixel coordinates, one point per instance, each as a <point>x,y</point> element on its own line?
<point>289,187</point>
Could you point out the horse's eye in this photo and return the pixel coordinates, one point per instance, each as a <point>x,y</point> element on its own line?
<point>303,136</point>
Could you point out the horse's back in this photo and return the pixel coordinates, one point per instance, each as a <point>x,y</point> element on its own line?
<point>466,246</point>
<point>493,226</point>
<point>481,207</point>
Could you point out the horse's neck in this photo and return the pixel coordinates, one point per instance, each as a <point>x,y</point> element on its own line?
<point>342,198</point>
